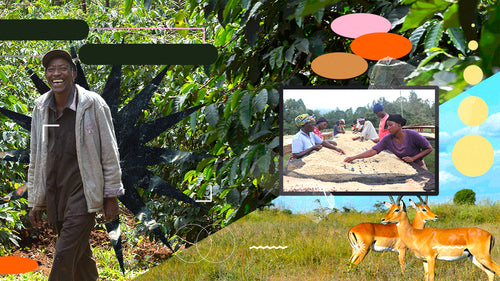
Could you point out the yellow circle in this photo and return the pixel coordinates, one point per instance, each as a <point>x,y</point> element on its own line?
<point>473,155</point>
<point>473,45</point>
<point>473,25</point>
<point>473,74</point>
<point>473,111</point>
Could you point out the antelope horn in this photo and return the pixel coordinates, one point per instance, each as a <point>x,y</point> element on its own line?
<point>392,200</point>
<point>426,199</point>
<point>421,200</point>
<point>398,200</point>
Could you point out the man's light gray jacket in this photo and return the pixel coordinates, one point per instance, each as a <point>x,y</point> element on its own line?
<point>96,150</point>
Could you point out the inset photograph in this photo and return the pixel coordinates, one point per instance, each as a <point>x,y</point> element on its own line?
<point>359,141</point>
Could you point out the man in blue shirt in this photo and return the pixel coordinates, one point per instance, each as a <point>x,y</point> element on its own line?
<point>305,141</point>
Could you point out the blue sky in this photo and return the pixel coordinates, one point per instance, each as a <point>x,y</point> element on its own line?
<point>451,129</point>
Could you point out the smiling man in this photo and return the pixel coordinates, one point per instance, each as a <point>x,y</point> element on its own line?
<point>74,167</point>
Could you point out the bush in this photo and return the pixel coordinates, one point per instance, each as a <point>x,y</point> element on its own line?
<point>465,197</point>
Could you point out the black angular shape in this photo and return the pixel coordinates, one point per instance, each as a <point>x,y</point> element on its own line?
<point>150,130</point>
<point>111,92</point>
<point>113,228</point>
<point>152,155</point>
<point>20,155</point>
<point>40,86</point>
<point>130,113</point>
<point>21,119</point>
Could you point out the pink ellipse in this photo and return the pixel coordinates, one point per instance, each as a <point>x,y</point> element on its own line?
<point>355,25</point>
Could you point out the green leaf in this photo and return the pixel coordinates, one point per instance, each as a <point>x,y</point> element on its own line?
<point>416,35</point>
<point>433,36</point>
<point>456,36</point>
<point>212,114</point>
<point>233,197</point>
<point>245,110</point>
<point>317,45</point>
<point>262,133</point>
<point>274,143</point>
<point>229,213</point>
<point>302,45</point>
<point>260,101</point>
<point>235,99</point>
<point>450,17</point>
<point>289,54</point>
<point>128,6</point>
<point>421,11</point>
<point>397,15</point>
<point>254,9</point>
<point>312,6</point>
<point>4,78</point>
<point>202,190</point>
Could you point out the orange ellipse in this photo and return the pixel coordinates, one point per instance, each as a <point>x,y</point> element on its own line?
<point>339,65</point>
<point>381,45</point>
<point>16,265</point>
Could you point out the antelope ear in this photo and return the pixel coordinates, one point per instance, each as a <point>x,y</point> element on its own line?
<point>413,205</point>
<point>402,205</point>
<point>388,205</point>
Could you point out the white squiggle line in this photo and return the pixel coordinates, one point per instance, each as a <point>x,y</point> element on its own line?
<point>448,247</point>
<point>268,247</point>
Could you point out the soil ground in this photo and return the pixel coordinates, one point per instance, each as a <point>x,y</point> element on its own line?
<point>42,247</point>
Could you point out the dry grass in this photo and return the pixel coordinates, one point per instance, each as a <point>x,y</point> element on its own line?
<point>316,250</point>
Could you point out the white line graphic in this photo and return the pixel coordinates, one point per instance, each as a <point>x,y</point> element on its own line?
<point>268,247</point>
<point>44,128</point>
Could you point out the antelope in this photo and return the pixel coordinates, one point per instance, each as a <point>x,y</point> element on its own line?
<point>449,244</point>
<point>384,238</point>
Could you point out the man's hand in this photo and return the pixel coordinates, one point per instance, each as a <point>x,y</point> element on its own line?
<point>36,218</point>
<point>111,209</point>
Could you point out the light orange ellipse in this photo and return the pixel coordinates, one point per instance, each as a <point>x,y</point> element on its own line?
<point>339,65</point>
<point>16,265</point>
<point>381,45</point>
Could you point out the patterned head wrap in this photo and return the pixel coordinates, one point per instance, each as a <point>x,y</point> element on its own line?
<point>303,119</point>
<point>361,119</point>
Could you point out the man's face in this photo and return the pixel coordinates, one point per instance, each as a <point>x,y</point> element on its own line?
<point>60,75</point>
<point>322,125</point>
<point>362,122</point>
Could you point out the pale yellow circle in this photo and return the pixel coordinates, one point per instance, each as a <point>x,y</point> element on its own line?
<point>473,74</point>
<point>473,111</point>
<point>473,45</point>
<point>473,25</point>
<point>473,155</point>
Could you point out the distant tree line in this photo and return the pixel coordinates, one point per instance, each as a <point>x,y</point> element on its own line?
<point>414,109</point>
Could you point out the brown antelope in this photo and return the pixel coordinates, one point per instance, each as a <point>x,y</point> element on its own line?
<point>384,237</point>
<point>449,244</point>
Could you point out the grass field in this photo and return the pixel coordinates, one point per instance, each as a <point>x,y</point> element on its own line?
<point>317,249</point>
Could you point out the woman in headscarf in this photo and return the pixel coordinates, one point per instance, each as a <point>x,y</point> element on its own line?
<point>305,141</point>
<point>408,145</point>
